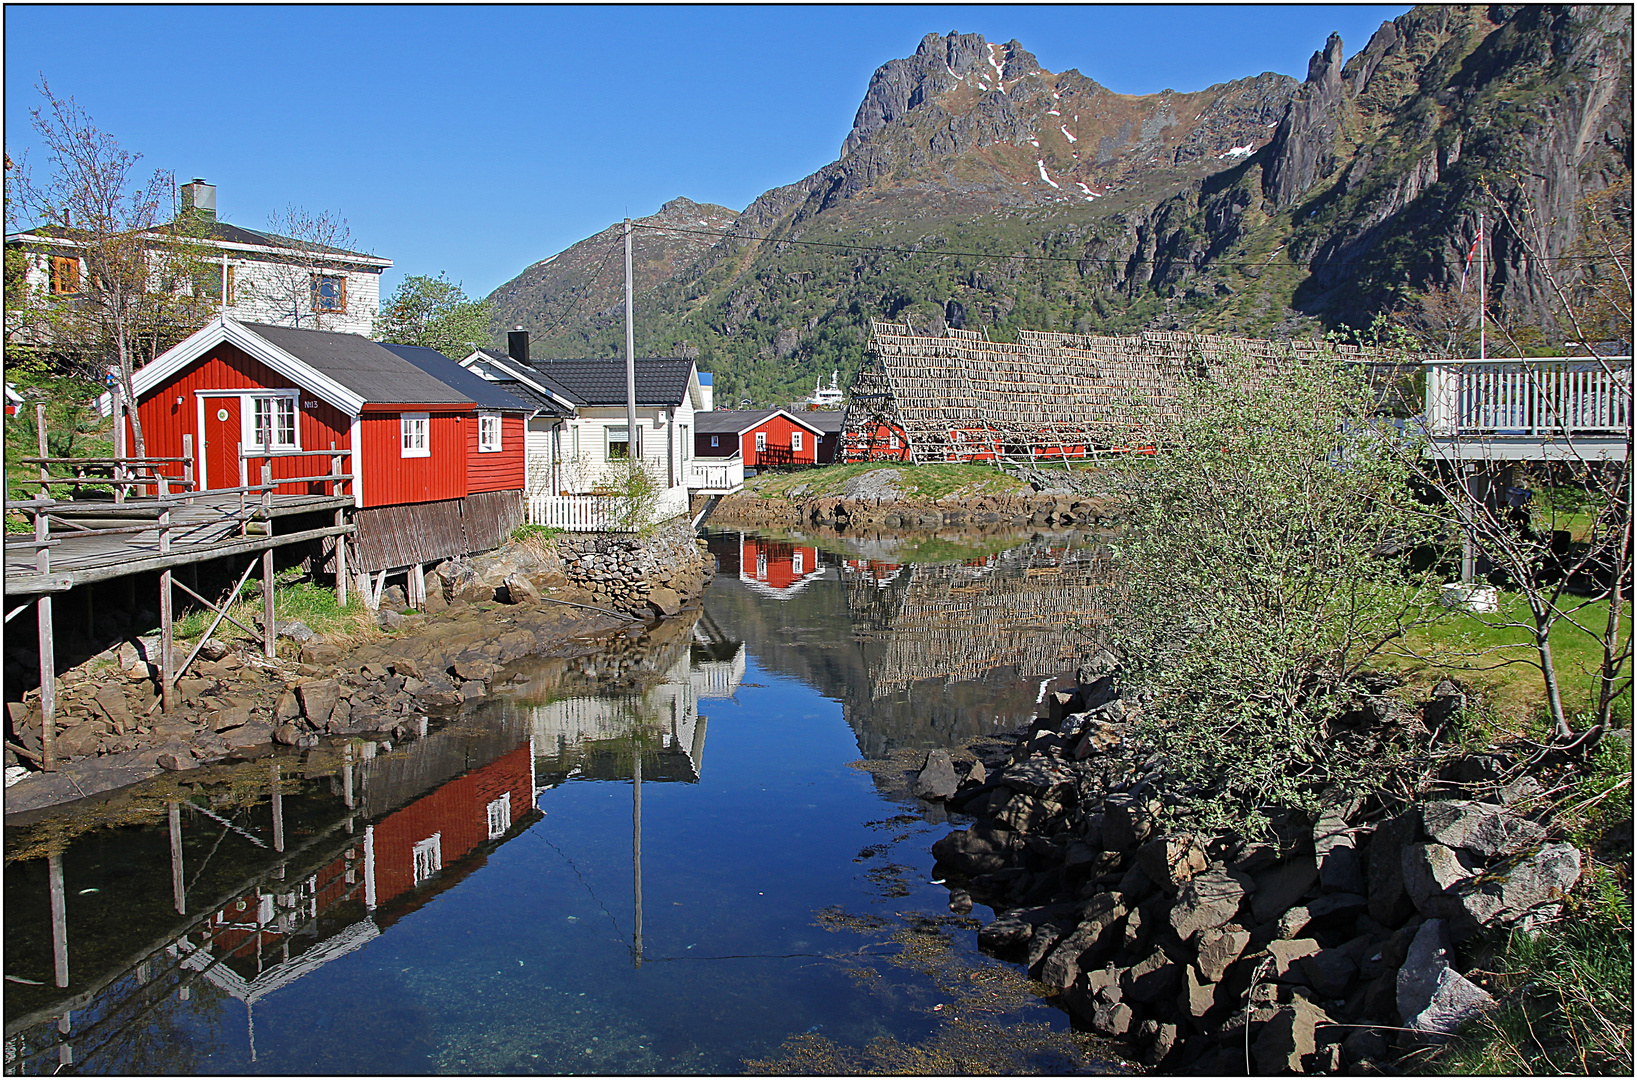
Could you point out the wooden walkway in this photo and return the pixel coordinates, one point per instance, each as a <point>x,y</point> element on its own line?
<point>203,526</point>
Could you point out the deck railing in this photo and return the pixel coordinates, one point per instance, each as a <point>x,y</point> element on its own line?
<point>1544,396</point>
<point>716,475</point>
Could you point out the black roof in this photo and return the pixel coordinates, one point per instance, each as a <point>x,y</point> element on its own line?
<point>488,395</point>
<point>365,367</point>
<point>734,420</point>
<point>660,380</point>
<point>506,366</point>
<point>826,420</point>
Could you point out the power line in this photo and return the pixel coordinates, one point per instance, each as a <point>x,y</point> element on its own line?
<point>725,234</point>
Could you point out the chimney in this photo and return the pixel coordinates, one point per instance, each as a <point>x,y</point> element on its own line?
<point>517,345</point>
<point>200,198</point>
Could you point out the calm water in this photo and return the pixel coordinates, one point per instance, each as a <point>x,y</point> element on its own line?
<point>505,895</point>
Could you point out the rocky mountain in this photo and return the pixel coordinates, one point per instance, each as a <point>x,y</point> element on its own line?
<point>978,188</point>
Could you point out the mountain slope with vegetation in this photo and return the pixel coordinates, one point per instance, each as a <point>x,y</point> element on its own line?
<point>977,189</point>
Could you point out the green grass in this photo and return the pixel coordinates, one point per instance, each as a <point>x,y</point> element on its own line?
<point>915,481</point>
<point>1497,659</point>
<point>303,600</point>
<point>535,532</point>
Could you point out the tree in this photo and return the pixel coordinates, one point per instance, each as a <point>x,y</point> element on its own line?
<point>131,302</point>
<point>433,312</point>
<point>1265,565</point>
<point>300,284</point>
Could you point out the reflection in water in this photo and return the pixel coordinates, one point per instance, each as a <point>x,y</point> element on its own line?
<point>920,653</point>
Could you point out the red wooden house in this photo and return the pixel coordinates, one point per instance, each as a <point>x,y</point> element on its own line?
<point>766,438</point>
<point>423,437</point>
<point>777,568</point>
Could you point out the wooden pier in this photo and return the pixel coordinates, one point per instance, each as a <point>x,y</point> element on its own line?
<point>145,521</point>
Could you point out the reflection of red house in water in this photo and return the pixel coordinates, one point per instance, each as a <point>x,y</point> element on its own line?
<point>777,568</point>
<point>272,935</point>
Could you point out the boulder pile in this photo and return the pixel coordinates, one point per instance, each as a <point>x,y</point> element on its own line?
<point>1306,951</point>
<point>1040,510</point>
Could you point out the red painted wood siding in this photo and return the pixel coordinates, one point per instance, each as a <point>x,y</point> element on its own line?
<point>390,478</point>
<point>165,421</point>
<point>775,563</point>
<point>779,429</point>
<point>459,811</point>
<point>499,471</point>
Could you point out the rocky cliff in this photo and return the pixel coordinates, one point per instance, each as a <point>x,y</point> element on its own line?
<point>975,182</point>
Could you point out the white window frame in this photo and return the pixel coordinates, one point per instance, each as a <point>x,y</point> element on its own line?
<point>500,816</point>
<point>490,434</point>
<point>609,439</point>
<point>795,442</point>
<point>414,434</point>
<point>247,420</point>
<point>428,858</point>
<point>761,441</point>
<point>715,441</point>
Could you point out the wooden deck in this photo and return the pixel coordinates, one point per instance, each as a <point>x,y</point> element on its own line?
<point>204,526</point>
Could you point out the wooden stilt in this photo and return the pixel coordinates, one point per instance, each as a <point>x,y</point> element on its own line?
<point>59,919</point>
<point>278,810</point>
<point>178,882</point>
<point>340,541</point>
<point>346,776</point>
<point>269,628</point>
<point>167,660</point>
<point>417,587</point>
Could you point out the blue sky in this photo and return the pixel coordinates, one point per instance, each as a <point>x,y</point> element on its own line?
<point>477,140</point>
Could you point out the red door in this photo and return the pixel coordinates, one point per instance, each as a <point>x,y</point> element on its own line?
<point>221,450</point>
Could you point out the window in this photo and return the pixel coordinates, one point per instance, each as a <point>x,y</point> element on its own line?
<point>796,561</point>
<point>488,433</point>
<point>795,441</point>
<point>687,443</point>
<point>65,274</point>
<point>416,435</point>
<point>761,441</point>
<point>500,816</point>
<point>715,441</point>
<point>619,444</point>
<point>428,857</point>
<point>329,292</point>
<point>207,283</point>
<point>269,422</point>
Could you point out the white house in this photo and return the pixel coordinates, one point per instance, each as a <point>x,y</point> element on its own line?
<point>264,278</point>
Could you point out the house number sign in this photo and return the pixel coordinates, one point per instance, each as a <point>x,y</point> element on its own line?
<point>221,414</point>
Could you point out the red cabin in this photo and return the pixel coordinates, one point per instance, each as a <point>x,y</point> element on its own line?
<point>777,568</point>
<point>767,438</point>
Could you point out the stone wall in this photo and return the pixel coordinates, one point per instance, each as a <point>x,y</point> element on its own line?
<point>626,571</point>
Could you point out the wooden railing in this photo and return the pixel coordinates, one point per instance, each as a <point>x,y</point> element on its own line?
<point>716,475</point>
<point>1545,396</point>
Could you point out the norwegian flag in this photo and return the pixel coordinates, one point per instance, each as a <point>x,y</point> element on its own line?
<point>1471,251</point>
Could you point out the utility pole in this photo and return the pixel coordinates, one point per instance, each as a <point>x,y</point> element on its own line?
<point>630,358</point>
<point>1483,286</point>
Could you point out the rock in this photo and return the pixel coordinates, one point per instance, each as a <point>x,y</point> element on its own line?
<point>1509,891</point>
<point>978,850</point>
<point>254,733</point>
<point>1112,1020</point>
<point>978,774</point>
<point>321,654</point>
<point>1219,948</point>
<point>1171,861</point>
<point>286,734</point>
<point>1040,943</point>
<point>176,762</point>
<point>1288,1037</point>
<point>480,670</point>
<point>111,700</point>
<point>1429,869</point>
<point>1335,904</point>
<point>1006,934</point>
<point>1481,828</point>
<point>1390,905</point>
<point>1286,955</point>
<point>519,590</point>
<point>292,629</point>
<point>1165,1040</point>
<point>231,717</point>
<point>960,901</point>
<point>318,700</point>
<point>1433,998</point>
<point>1128,818</point>
<point>289,706</point>
<point>1330,971</point>
<point>1522,789</point>
<point>1088,946</point>
<point>664,600</point>
<point>1363,1045</point>
<point>937,779</point>
<point>1135,885</point>
<point>389,620</point>
<point>1337,857</point>
<point>1154,977</point>
<point>472,689</point>
<point>1208,900</point>
<point>1099,737</point>
<point>1198,995</point>
<point>213,650</point>
<point>1038,776</point>
<point>1283,885</point>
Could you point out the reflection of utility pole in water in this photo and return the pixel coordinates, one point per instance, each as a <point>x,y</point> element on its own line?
<point>278,810</point>
<point>636,837</point>
<point>178,885</point>
<point>59,918</point>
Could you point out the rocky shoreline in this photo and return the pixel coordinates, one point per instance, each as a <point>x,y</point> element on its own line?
<point>1337,944</point>
<point>482,613</point>
<point>1040,510</point>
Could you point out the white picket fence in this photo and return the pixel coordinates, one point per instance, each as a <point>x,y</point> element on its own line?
<point>600,513</point>
<point>716,476</point>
